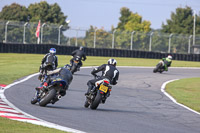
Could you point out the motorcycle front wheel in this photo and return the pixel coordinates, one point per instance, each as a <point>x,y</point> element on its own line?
<point>155,70</point>
<point>86,105</point>
<point>73,69</point>
<point>34,99</point>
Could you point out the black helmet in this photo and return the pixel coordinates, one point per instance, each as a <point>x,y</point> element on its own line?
<point>112,62</point>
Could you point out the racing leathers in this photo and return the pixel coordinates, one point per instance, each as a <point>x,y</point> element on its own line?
<point>108,71</point>
<point>49,62</point>
<point>80,54</point>
<point>167,63</point>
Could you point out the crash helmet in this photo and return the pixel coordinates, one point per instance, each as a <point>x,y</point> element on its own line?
<point>169,57</point>
<point>52,50</point>
<point>112,62</point>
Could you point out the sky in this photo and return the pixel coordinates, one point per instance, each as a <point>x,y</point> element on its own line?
<point>106,13</point>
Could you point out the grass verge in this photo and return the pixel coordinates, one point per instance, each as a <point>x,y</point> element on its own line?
<point>15,66</point>
<point>186,91</point>
<point>12,126</point>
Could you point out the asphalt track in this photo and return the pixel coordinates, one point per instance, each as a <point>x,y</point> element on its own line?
<point>136,104</point>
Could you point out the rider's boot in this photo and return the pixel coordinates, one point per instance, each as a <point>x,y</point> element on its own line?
<point>42,87</point>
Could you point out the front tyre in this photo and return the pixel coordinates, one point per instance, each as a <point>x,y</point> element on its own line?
<point>86,105</point>
<point>73,69</point>
<point>96,101</point>
<point>155,70</point>
<point>34,100</point>
<point>47,98</point>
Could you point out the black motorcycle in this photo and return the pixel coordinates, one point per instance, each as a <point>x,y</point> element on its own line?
<point>98,94</point>
<point>43,70</point>
<point>56,88</point>
<point>75,65</point>
<point>159,67</point>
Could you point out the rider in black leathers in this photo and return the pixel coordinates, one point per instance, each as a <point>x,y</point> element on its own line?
<point>49,58</point>
<point>109,71</point>
<point>79,52</point>
<point>62,73</point>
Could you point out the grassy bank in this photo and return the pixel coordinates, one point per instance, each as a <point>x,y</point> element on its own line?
<point>15,66</point>
<point>186,91</point>
<point>11,126</point>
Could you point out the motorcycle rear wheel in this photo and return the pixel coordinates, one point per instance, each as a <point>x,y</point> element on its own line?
<point>96,101</point>
<point>47,98</point>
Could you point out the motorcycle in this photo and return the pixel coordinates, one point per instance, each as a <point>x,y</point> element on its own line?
<point>43,70</point>
<point>159,67</point>
<point>75,65</point>
<point>58,84</point>
<point>98,94</point>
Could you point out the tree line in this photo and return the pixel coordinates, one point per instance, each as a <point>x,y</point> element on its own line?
<point>180,25</point>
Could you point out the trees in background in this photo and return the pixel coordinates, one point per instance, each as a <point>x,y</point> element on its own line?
<point>181,22</point>
<point>14,12</point>
<point>35,12</point>
<point>48,14</point>
<point>131,28</point>
<point>181,26</point>
<point>130,21</point>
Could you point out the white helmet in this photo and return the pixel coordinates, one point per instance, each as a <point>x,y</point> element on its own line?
<point>112,62</point>
<point>52,51</point>
<point>169,57</point>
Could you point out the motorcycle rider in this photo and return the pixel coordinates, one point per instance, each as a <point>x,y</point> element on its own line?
<point>50,59</point>
<point>167,62</point>
<point>62,73</point>
<point>78,53</point>
<point>109,71</point>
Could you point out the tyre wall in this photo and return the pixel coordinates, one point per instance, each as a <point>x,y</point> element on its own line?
<point>67,50</point>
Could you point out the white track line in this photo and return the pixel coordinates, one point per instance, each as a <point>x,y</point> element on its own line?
<point>8,110</point>
<point>170,97</point>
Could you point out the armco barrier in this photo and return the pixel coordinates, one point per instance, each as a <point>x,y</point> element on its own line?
<point>67,50</point>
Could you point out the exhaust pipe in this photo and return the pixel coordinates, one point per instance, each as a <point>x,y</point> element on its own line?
<point>59,96</point>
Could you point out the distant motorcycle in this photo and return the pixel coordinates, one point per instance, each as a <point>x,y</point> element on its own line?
<point>59,82</point>
<point>159,67</point>
<point>99,94</point>
<point>75,65</point>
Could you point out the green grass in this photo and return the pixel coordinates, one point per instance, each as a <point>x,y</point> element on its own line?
<point>186,91</point>
<point>15,66</point>
<point>11,126</point>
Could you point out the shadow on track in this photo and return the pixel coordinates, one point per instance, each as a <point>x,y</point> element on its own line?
<point>64,107</point>
<point>97,110</point>
<point>82,75</point>
<point>119,111</point>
